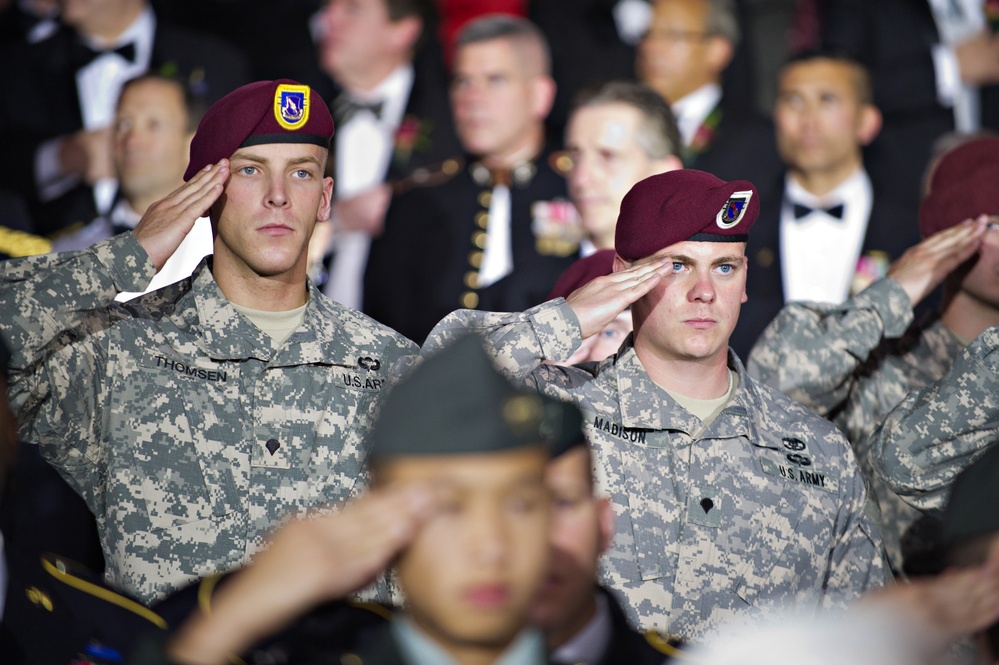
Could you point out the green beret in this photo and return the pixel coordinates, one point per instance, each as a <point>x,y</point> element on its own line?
<point>456,402</point>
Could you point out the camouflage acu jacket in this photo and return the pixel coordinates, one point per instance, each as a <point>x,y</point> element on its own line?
<point>854,363</point>
<point>183,427</point>
<point>935,433</point>
<point>762,509</point>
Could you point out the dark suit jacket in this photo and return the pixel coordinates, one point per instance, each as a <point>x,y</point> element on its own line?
<point>627,645</point>
<point>417,269</point>
<point>743,148</point>
<point>40,102</point>
<point>894,39</point>
<point>890,229</point>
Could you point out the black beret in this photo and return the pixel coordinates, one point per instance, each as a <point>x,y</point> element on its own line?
<point>282,111</point>
<point>456,402</point>
<point>685,204</point>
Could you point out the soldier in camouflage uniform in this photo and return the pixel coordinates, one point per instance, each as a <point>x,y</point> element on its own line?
<point>854,362</point>
<point>195,418</point>
<point>730,499</point>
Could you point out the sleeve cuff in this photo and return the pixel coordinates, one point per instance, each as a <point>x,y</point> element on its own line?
<point>891,303</point>
<point>557,329</point>
<point>126,261</point>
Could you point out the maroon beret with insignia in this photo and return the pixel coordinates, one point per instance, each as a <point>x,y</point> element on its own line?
<point>281,111</point>
<point>582,272</point>
<point>686,204</point>
<point>963,186</point>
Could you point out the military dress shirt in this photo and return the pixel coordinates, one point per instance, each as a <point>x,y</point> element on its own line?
<point>188,432</point>
<point>937,432</point>
<point>764,507</point>
<point>854,363</point>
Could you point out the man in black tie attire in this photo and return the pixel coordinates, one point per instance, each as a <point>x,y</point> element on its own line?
<point>825,233</point>
<point>60,93</point>
<point>392,117</point>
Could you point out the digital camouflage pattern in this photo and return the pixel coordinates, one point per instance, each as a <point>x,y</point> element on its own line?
<point>937,432</point>
<point>764,508</point>
<point>186,431</point>
<point>853,363</point>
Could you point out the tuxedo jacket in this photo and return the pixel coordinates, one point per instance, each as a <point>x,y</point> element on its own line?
<point>894,39</point>
<point>419,270</point>
<point>742,148</point>
<point>889,229</point>
<point>40,102</point>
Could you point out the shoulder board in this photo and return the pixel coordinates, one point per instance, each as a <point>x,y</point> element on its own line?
<point>381,610</point>
<point>667,647</point>
<point>73,576</point>
<point>429,176</point>
<point>16,244</point>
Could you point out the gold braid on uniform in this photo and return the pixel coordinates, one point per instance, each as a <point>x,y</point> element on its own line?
<point>665,647</point>
<point>429,176</point>
<point>60,569</point>
<point>205,591</point>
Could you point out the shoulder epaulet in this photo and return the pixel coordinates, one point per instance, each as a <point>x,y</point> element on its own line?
<point>73,576</point>
<point>429,176</point>
<point>667,646</point>
<point>15,244</point>
<point>383,611</point>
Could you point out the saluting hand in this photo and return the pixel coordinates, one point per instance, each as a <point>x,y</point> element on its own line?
<point>599,302</point>
<point>168,221</point>
<point>924,266</point>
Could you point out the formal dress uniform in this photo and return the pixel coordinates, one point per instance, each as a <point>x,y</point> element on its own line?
<point>438,234</point>
<point>854,363</point>
<point>185,428</point>
<point>764,507</point>
<point>934,434</point>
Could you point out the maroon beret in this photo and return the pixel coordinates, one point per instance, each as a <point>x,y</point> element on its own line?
<point>964,185</point>
<point>671,207</point>
<point>281,111</point>
<point>582,272</point>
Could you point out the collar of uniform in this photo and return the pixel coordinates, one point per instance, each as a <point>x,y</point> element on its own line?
<point>634,386</point>
<point>519,175</point>
<point>227,334</point>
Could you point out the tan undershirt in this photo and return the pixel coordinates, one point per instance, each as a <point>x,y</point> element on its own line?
<point>278,325</point>
<point>707,409</point>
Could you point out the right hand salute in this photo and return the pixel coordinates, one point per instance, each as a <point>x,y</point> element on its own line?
<point>168,221</point>
<point>924,266</point>
<point>600,301</point>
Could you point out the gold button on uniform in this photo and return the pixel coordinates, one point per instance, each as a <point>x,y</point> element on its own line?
<point>472,279</point>
<point>479,239</point>
<point>475,259</point>
<point>482,220</point>
<point>469,300</point>
<point>485,198</point>
<point>765,257</point>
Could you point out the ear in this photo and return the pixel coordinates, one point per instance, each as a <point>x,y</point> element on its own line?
<point>745,267</point>
<point>664,164</point>
<point>542,96</point>
<point>719,53</point>
<point>406,32</point>
<point>620,264</point>
<point>605,517</point>
<point>326,204</point>
<point>869,125</point>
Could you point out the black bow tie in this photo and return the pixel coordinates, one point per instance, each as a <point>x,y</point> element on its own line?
<point>802,210</point>
<point>344,108</point>
<point>84,54</point>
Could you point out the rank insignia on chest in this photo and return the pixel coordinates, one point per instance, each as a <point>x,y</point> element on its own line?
<point>704,506</point>
<point>557,228</point>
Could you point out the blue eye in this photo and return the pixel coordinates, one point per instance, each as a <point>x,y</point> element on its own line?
<point>726,269</point>
<point>677,266</point>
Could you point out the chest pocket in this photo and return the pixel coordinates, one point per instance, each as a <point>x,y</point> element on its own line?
<point>177,463</point>
<point>654,509</point>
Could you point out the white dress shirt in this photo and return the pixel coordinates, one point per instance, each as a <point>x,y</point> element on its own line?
<point>692,110</point>
<point>818,252</point>
<point>364,146</point>
<point>98,85</point>
<point>956,20</point>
